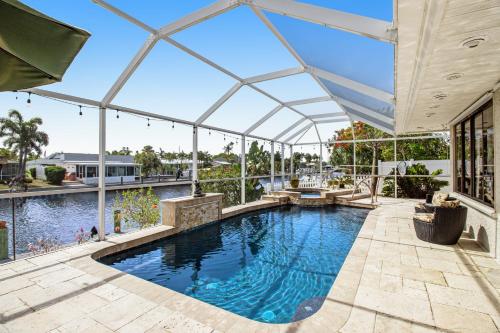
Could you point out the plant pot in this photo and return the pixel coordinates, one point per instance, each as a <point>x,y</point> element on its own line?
<point>342,186</point>
<point>294,183</point>
<point>3,224</point>
<point>117,221</point>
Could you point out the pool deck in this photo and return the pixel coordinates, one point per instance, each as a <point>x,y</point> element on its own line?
<point>390,282</point>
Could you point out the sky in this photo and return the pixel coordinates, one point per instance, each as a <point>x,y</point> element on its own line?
<point>172,83</point>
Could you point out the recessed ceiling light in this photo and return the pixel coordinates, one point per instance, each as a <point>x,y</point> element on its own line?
<point>454,76</point>
<point>473,42</point>
<point>429,114</point>
<point>440,96</point>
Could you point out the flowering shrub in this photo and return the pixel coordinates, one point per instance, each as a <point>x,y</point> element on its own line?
<point>138,206</point>
<point>81,236</point>
<point>44,245</point>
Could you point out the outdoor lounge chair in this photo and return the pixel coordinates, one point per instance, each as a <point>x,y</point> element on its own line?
<point>444,226</point>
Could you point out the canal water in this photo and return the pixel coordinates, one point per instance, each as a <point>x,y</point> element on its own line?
<point>58,217</point>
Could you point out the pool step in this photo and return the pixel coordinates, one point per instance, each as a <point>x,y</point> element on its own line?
<point>350,197</point>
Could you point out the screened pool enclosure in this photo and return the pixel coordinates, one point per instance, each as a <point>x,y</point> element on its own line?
<point>340,62</point>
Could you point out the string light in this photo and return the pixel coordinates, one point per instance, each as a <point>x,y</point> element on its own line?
<point>29,98</point>
<point>148,123</point>
<point>117,115</point>
<point>80,113</point>
<point>209,131</point>
<point>173,124</point>
<point>224,137</point>
<point>16,94</point>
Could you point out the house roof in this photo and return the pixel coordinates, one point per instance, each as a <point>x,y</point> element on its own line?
<point>85,158</point>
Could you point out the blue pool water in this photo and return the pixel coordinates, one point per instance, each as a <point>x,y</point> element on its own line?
<point>273,266</point>
<point>310,195</point>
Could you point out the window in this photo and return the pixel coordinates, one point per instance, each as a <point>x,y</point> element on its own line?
<point>474,155</point>
<point>92,172</point>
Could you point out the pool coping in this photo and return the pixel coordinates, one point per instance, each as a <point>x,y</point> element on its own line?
<point>178,310</point>
<point>332,315</point>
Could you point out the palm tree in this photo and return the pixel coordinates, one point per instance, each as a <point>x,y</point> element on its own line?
<point>23,138</point>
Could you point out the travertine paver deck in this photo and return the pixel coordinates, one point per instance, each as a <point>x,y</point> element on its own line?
<point>390,282</point>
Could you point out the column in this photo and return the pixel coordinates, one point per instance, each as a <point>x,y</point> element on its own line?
<point>291,161</point>
<point>321,164</point>
<point>243,170</point>
<point>194,166</point>
<point>395,169</point>
<point>272,165</point>
<point>102,174</point>
<point>282,166</point>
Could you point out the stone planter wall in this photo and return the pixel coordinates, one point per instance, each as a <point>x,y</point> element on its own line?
<point>188,212</point>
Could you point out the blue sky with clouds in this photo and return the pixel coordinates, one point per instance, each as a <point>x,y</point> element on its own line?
<point>173,83</point>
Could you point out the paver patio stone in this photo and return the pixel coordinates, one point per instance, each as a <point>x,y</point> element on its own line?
<point>122,311</point>
<point>461,320</point>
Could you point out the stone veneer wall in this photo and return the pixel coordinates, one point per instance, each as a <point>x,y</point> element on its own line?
<point>189,212</point>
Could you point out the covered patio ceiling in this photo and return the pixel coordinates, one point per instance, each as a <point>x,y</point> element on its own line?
<point>352,89</point>
<point>448,60</point>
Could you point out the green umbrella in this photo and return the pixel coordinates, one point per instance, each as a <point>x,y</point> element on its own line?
<point>34,49</point>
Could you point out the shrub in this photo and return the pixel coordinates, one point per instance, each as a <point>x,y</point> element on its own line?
<point>33,173</point>
<point>138,206</point>
<point>414,187</point>
<point>55,174</point>
<point>27,178</point>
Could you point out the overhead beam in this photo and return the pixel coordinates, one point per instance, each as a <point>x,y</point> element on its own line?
<point>309,101</point>
<point>329,121</point>
<point>288,129</point>
<point>327,115</point>
<point>124,109</point>
<point>198,16</point>
<point>387,129</point>
<point>360,25</point>
<point>353,85</point>
<point>130,69</point>
<point>219,103</point>
<point>263,119</point>
<point>302,135</point>
<point>274,75</point>
<point>124,15</point>
<point>365,110</point>
<point>297,133</point>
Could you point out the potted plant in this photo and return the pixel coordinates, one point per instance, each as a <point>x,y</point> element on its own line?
<point>294,182</point>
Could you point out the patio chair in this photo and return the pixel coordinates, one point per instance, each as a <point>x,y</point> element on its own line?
<point>443,226</point>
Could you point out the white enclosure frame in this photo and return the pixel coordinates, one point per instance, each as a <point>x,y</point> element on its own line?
<point>368,27</point>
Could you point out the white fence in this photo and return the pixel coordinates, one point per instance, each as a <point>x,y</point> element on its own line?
<point>384,168</point>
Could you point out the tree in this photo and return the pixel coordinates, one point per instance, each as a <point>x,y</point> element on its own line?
<point>367,153</point>
<point>7,154</point>
<point>205,158</point>
<point>23,138</point>
<point>149,160</point>
<point>125,151</point>
<point>258,160</point>
<point>228,149</point>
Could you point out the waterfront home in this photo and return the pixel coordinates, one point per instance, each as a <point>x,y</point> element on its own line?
<point>8,169</point>
<point>85,167</point>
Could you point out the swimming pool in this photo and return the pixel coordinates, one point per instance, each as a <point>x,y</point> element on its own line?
<point>274,266</point>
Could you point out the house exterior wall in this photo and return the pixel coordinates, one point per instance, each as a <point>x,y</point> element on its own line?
<point>109,180</point>
<point>482,220</point>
